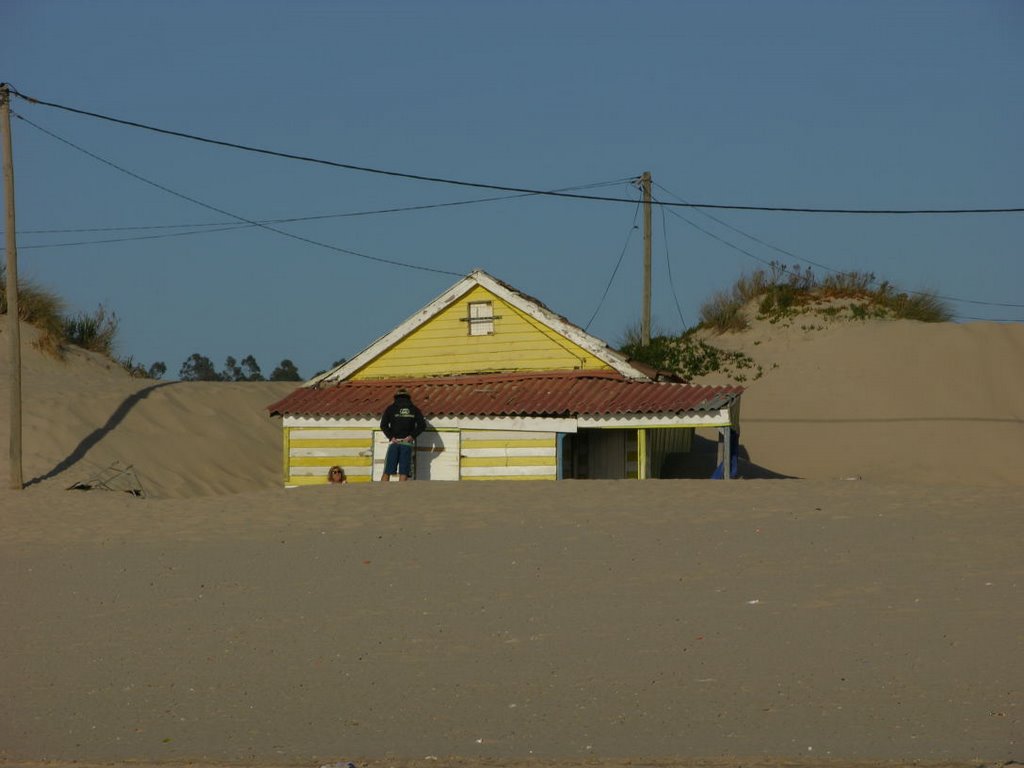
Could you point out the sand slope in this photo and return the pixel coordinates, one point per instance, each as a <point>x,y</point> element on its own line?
<point>886,400</point>
<point>881,400</point>
<point>83,413</point>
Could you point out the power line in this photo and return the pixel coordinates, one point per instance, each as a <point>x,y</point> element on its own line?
<point>755,239</point>
<point>618,263</point>
<point>133,228</point>
<point>745,252</point>
<point>318,217</point>
<point>499,187</point>
<point>668,268</point>
<point>723,241</point>
<point>520,192</point>
<point>814,263</point>
<point>236,216</point>
<point>214,227</point>
<point>255,223</point>
<point>136,238</point>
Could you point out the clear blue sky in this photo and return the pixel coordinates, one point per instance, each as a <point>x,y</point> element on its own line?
<point>808,104</point>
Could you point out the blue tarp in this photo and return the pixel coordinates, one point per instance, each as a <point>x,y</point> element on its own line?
<point>734,463</point>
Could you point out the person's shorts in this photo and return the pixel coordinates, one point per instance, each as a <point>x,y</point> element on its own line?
<point>398,459</point>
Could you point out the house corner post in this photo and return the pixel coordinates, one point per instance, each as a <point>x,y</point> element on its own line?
<point>642,470</point>
<point>727,453</point>
<point>286,440</point>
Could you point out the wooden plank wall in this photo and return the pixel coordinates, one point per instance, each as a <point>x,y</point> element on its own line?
<point>508,455</point>
<point>310,452</point>
<point>482,455</point>
<point>443,346</point>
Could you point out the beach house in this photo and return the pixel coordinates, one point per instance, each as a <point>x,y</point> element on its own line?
<point>510,390</point>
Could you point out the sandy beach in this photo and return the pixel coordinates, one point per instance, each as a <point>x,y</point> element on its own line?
<point>867,613</point>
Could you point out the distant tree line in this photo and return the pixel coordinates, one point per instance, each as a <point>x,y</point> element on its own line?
<point>200,368</point>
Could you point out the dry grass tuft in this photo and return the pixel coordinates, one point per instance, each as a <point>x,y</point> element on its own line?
<point>782,293</point>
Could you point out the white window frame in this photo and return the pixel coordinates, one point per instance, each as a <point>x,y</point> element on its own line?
<point>481,318</point>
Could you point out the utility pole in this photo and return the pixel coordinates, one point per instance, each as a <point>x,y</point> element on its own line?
<point>13,321</point>
<point>645,319</point>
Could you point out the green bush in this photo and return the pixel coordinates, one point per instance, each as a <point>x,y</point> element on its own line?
<point>723,312</point>
<point>662,353</point>
<point>749,287</point>
<point>848,284</point>
<point>38,306</point>
<point>925,307</point>
<point>140,371</point>
<point>781,300</point>
<point>93,331</point>
<point>690,357</point>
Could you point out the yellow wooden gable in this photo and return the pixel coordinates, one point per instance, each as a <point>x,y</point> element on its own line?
<point>496,337</point>
<point>481,325</point>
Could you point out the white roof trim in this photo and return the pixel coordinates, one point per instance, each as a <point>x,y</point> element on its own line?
<point>578,336</point>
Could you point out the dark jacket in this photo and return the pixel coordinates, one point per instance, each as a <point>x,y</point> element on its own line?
<point>402,419</point>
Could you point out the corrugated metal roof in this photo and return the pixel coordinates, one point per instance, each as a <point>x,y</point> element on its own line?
<point>555,394</point>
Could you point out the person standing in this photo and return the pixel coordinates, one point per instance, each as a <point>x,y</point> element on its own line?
<point>401,424</point>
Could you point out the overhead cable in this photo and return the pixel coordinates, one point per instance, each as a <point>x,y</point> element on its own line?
<point>611,279</point>
<point>668,268</point>
<point>827,268</point>
<point>318,217</point>
<point>223,212</point>
<point>745,252</point>
<point>213,227</point>
<point>500,187</point>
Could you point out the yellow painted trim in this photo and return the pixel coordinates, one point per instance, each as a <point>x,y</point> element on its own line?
<point>307,480</point>
<point>286,469</point>
<point>330,461</point>
<point>332,443</point>
<point>321,480</point>
<point>330,431</point>
<point>475,443</point>
<point>677,426</point>
<point>509,461</point>
<point>507,477</point>
<point>641,454</point>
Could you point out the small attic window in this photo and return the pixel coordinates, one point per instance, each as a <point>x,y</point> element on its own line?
<point>481,318</point>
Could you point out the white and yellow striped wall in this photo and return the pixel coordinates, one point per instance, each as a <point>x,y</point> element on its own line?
<point>312,446</point>
<point>508,455</point>
<point>441,454</point>
<point>310,451</point>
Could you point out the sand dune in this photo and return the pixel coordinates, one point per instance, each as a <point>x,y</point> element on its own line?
<point>226,620</point>
<point>881,400</point>
<point>886,400</point>
<point>84,413</point>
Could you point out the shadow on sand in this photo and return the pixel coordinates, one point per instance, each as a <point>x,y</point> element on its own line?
<point>90,440</point>
<point>702,460</point>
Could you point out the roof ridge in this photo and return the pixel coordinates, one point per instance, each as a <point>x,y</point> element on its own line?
<point>494,375</point>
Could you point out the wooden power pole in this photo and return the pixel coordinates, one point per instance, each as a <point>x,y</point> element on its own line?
<point>645,319</point>
<point>13,321</point>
